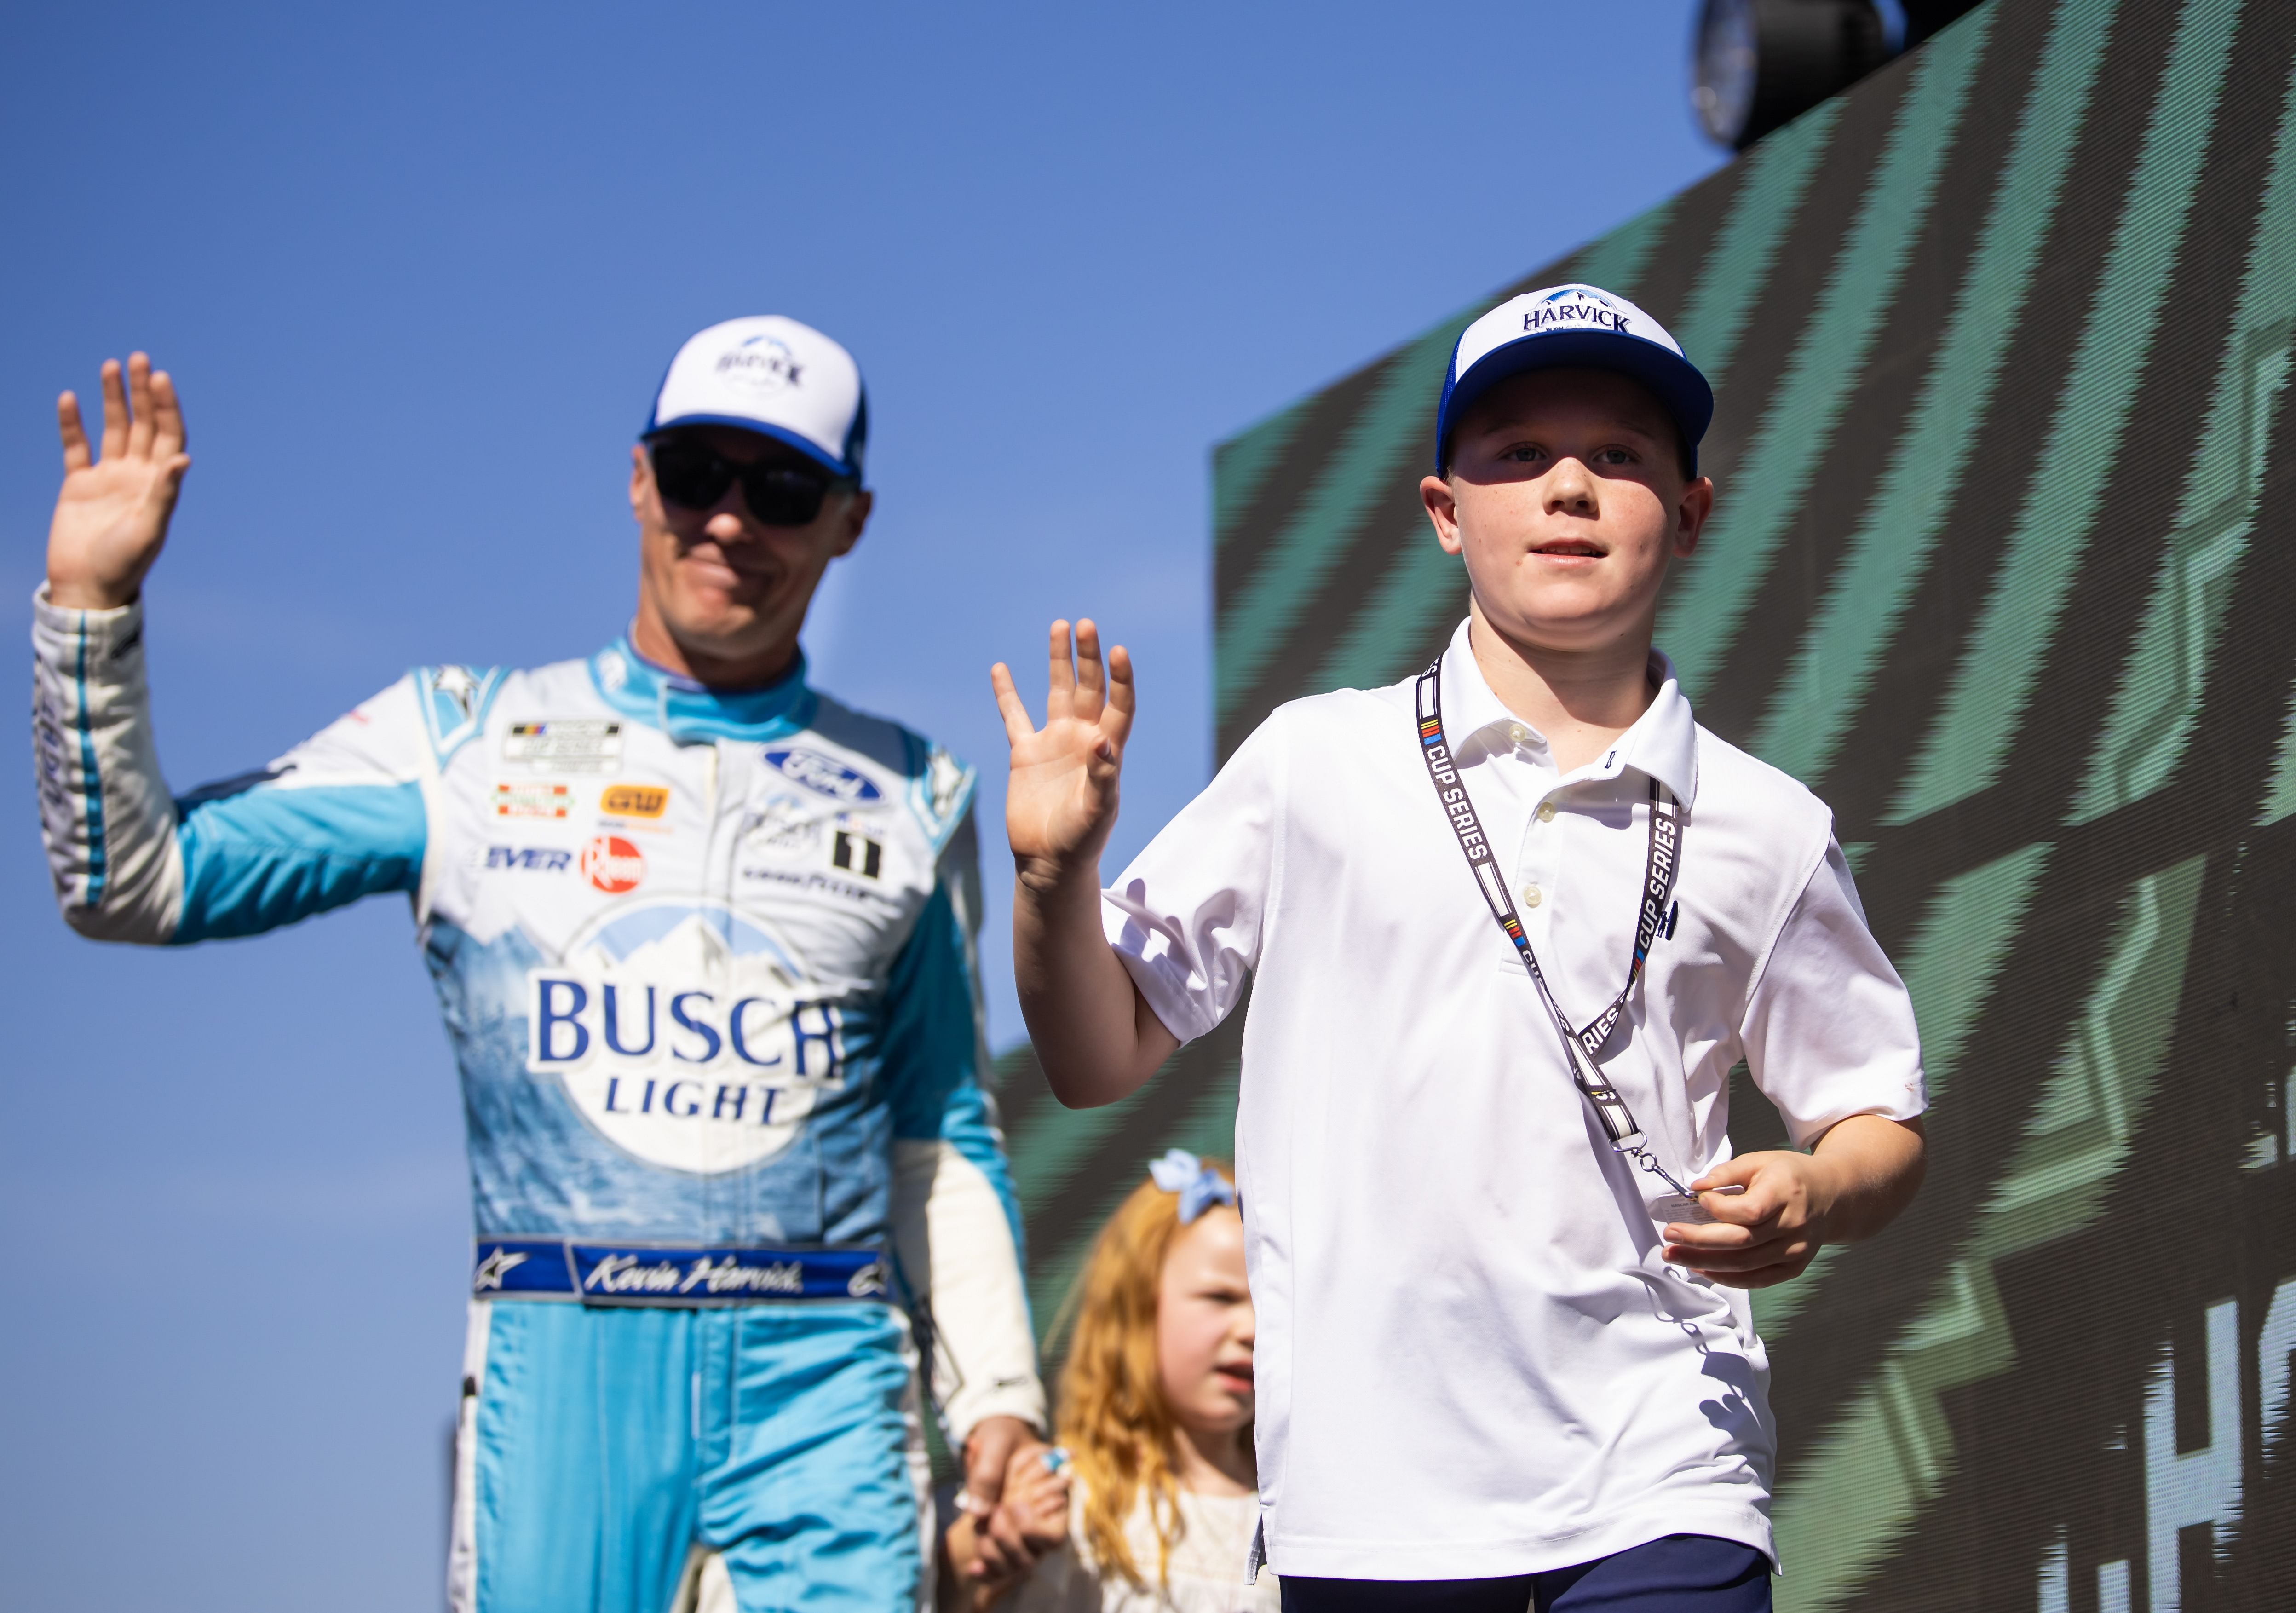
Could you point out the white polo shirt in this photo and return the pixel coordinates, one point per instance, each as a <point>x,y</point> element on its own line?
<point>1471,1360</point>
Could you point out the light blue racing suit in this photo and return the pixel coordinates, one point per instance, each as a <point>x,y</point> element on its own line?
<point>706,961</point>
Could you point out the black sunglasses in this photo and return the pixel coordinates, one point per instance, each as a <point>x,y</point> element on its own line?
<point>695,476</point>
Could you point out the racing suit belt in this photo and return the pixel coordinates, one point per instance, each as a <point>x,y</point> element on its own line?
<point>678,1274</point>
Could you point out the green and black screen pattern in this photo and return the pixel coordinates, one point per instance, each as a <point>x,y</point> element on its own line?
<point>2004,566</point>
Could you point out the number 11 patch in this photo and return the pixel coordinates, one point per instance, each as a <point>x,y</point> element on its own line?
<point>857,854</point>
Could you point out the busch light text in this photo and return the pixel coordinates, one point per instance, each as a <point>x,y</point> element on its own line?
<point>682,1053</point>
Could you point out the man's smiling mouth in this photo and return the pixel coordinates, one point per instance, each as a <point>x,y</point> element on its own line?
<point>748,567</point>
<point>1569,546</point>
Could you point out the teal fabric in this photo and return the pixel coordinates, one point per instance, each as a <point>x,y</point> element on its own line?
<point>608,1440</point>
<point>264,856</point>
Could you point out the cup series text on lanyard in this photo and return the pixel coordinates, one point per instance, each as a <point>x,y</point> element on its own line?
<point>1581,1048</point>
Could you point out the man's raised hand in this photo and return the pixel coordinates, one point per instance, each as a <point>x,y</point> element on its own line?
<point>1060,803</point>
<point>111,515</point>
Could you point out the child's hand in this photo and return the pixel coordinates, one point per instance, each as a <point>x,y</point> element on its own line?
<point>1859,1176</point>
<point>1768,1234</point>
<point>1037,1499</point>
<point>1060,803</point>
<point>1028,1520</point>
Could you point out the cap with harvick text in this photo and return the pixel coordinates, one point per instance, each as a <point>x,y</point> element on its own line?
<point>1572,326</point>
<point>770,374</point>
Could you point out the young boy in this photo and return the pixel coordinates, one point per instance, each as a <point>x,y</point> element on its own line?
<point>1502,1360</point>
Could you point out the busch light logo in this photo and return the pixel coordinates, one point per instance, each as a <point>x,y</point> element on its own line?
<point>823,775</point>
<point>686,1036</point>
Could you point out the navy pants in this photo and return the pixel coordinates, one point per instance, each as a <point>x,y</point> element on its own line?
<point>1678,1574</point>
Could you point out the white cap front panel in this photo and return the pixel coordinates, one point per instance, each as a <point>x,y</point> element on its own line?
<point>1557,308</point>
<point>770,373</point>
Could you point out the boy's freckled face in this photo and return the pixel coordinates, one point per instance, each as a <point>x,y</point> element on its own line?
<point>1567,499</point>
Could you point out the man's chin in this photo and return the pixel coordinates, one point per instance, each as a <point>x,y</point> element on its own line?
<point>720,616</point>
<point>730,635</point>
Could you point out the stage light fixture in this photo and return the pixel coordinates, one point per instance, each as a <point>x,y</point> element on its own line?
<point>1758,63</point>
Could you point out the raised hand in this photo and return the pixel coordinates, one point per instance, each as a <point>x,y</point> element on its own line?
<point>111,515</point>
<point>1060,803</point>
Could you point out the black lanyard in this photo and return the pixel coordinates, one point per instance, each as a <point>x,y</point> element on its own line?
<point>1582,1048</point>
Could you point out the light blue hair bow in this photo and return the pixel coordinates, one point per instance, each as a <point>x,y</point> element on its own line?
<point>1199,1185</point>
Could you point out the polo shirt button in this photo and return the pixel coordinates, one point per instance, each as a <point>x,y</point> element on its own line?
<point>1546,811</point>
<point>1532,896</point>
<point>1517,734</point>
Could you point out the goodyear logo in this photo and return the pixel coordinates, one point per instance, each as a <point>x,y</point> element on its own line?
<point>634,800</point>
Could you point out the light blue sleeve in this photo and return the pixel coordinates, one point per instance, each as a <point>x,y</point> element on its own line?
<point>258,853</point>
<point>933,1047</point>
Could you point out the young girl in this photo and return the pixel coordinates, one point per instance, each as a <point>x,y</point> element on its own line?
<point>1158,1498</point>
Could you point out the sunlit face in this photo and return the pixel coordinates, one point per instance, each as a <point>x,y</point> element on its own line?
<point>724,584</point>
<point>1204,1327</point>
<point>1567,499</point>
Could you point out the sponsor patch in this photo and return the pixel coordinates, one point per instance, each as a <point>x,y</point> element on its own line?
<point>822,774</point>
<point>634,800</point>
<point>850,849</point>
<point>532,800</point>
<point>528,859</point>
<point>565,744</point>
<point>785,827</point>
<point>763,364</point>
<point>687,1037</point>
<point>612,864</point>
<point>825,884</point>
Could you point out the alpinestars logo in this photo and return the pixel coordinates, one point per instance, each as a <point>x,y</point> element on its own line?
<point>494,1268</point>
<point>456,685</point>
<point>945,784</point>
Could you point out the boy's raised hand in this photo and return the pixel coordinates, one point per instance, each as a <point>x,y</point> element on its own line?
<point>1060,803</point>
<point>113,513</point>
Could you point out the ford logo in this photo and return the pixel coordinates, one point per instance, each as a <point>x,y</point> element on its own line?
<point>823,776</point>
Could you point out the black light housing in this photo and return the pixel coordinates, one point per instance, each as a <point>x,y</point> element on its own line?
<point>1757,64</point>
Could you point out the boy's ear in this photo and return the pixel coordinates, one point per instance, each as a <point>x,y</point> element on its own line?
<point>1443,510</point>
<point>1690,516</point>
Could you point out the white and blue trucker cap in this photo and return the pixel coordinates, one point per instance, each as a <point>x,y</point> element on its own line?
<point>1578,327</point>
<point>770,374</point>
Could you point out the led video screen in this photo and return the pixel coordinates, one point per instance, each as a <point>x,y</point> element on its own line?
<point>2004,566</point>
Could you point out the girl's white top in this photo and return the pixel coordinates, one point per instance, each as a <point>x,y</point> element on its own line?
<point>1205,1573</point>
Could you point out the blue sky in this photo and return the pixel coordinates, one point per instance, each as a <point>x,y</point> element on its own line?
<point>416,271</point>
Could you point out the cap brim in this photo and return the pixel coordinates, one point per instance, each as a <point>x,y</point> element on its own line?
<point>811,450</point>
<point>1674,381</point>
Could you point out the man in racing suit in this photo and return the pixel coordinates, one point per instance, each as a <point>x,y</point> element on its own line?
<point>703,943</point>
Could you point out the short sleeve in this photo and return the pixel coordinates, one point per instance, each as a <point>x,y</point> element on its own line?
<point>1187,918</point>
<point>1829,1028</point>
